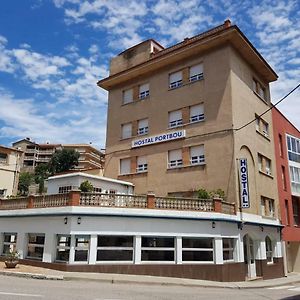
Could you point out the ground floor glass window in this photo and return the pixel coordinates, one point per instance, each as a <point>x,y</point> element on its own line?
<point>158,249</point>
<point>197,249</point>
<point>228,249</point>
<point>115,248</point>
<point>36,243</point>
<point>82,243</point>
<point>9,242</point>
<point>63,247</point>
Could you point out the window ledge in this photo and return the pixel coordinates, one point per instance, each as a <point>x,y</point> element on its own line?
<point>188,83</point>
<point>144,173</point>
<point>186,167</point>
<point>135,101</point>
<point>186,124</point>
<point>266,174</point>
<point>267,137</point>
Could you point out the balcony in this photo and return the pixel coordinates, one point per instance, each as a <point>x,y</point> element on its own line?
<point>76,198</point>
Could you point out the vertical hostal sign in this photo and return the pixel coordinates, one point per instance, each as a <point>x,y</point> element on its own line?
<point>244,186</point>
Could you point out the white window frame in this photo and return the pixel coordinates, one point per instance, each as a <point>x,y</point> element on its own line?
<point>198,75</point>
<point>143,127</point>
<point>269,252</point>
<point>197,159</point>
<point>176,82</point>
<point>174,163</point>
<point>35,245</point>
<point>142,165</point>
<point>231,249</point>
<point>12,243</point>
<point>82,248</point>
<point>59,247</point>
<point>144,91</point>
<point>199,116</point>
<point>175,121</point>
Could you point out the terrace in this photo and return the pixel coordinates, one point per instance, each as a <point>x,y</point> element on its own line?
<point>77,198</point>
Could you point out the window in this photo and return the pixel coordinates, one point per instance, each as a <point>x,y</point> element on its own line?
<point>128,96</point>
<point>127,131</point>
<point>63,247</point>
<point>259,89</point>
<point>115,248</point>
<point>293,148</point>
<point>228,249</point>
<point>269,250</point>
<point>283,178</point>
<point>143,127</point>
<point>295,203</point>
<point>175,118</point>
<point>280,145</point>
<point>175,80</point>
<point>264,165</point>
<point>9,242</point>
<point>197,155</point>
<point>125,165</point>
<point>287,214</point>
<point>35,246</point>
<point>64,189</point>
<point>295,180</point>
<point>97,190</point>
<point>262,126</point>
<point>144,91</point>
<point>158,249</point>
<point>3,192</point>
<point>196,73</point>
<point>3,158</point>
<point>267,207</point>
<point>197,249</point>
<point>197,113</point>
<point>142,165</point>
<point>175,158</point>
<point>81,247</point>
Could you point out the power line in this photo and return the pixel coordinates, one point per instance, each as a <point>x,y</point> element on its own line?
<point>272,106</point>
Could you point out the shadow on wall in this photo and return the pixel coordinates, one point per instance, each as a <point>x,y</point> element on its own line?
<point>296,297</point>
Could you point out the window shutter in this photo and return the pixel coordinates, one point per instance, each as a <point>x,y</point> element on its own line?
<point>125,166</point>
<point>144,87</point>
<point>128,96</point>
<point>141,160</point>
<point>143,123</point>
<point>175,76</point>
<point>175,115</point>
<point>126,130</point>
<point>196,70</point>
<point>197,150</point>
<point>175,154</point>
<point>197,110</point>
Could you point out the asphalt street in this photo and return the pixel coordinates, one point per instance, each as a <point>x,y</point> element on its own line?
<point>23,288</point>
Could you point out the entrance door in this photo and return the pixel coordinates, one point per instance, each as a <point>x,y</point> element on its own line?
<point>249,254</point>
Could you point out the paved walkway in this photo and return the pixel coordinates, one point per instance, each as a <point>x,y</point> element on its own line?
<point>43,273</point>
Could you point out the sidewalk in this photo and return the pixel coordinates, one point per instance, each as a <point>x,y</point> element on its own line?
<point>48,274</point>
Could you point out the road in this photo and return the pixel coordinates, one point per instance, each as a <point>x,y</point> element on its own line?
<point>21,289</point>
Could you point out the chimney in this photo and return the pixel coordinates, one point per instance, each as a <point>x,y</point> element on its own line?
<point>227,23</point>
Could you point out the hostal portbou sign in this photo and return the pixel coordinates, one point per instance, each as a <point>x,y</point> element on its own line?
<point>160,138</point>
<point>244,186</point>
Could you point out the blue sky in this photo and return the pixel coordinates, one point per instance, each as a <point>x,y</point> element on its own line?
<point>53,52</point>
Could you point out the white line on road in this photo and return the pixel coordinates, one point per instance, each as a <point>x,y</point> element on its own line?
<point>283,287</point>
<point>22,295</point>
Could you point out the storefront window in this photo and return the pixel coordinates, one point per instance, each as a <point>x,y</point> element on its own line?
<point>63,248</point>
<point>158,249</point>
<point>35,246</point>
<point>197,249</point>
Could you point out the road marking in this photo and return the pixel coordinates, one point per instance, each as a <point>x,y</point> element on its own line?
<point>281,287</point>
<point>295,289</point>
<point>22,295</point>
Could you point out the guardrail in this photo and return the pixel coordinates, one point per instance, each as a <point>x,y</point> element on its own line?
<point>76,198</point>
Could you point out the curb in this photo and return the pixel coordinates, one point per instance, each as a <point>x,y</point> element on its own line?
<point>32,275</point>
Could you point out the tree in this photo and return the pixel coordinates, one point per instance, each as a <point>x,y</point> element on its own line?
<point>86,187</point>
<point>63,160</point>
<point>25,180</point>
<point>41,173</point>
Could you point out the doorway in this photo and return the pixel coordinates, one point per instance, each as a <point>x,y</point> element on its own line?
<point>249,255</point>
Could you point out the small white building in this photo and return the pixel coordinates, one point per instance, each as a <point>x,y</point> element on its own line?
<point>64,183</point>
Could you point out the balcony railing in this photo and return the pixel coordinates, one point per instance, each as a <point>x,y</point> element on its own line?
<point>76,198</point>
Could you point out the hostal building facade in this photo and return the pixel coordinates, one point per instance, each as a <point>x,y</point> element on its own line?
<point>175,124</point>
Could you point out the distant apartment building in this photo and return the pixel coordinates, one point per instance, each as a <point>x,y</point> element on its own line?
<point>287,149</point>
<point>35,154</point>
<point>10,161</point>
<point>175,124</point>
